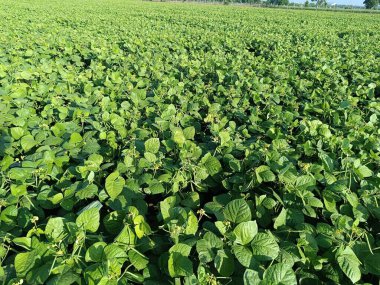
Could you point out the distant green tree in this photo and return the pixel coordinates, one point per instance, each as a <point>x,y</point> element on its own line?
<point>370,4</point>
<point>306,3</point>
<point>278,2</point>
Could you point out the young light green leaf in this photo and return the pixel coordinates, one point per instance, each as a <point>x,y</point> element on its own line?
<point>28,142</point>
<point>152,145</point>
<point>114,184</point>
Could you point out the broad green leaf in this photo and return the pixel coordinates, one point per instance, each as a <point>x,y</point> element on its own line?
<point>244,255</point>
<point>224,263</point>
<point>75,138</point>
<point>205,252</point>
<point>114,184</point>
<point>304,182</point>
<point>179,265</point>
<point>126,236</point>
<point>191,224</point>
<point>24,242</point>
<point>281,219</point>
<point>89,220</point>
<point>264,174</point>
<point>55,229</point>
<point>251,277</point>
<point>372,263</point>
<point>142,228</point>
<point>18,190</point>
<point>237,211</point>
<point>112,252</point>
<point>245,231</point>
<point>28,142</point>
<point>39,274</point>
<point>178,136</point>
<point>224,138</point>
<point>264,247</point>
<point>17,132</point>
<point>280,273</point>
<point>152,145</point>
<point>212,165</point>
<point>138,260</point>
<point>349,264</point>
<point>363,172</point>
<point>95,253</point>
<point>24,262</point>
<point>181,248</point>
<point>189,133</point>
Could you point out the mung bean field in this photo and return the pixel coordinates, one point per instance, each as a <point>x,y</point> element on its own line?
<point>180,143</point>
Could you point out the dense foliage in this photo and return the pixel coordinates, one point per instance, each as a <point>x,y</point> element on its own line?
<point>152,143</point>
<point>370,4</point>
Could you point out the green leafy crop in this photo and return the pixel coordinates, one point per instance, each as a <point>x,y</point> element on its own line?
<point>167,143</point>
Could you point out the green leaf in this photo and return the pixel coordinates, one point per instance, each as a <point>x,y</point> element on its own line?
<point>152,145</point>
<point>349,264</point>
<point>191,224</point>
<point>142,228</point>
<point>189,133</point>
<point>281,219</point>
<point>363,172</point>
<point>75,138</point>
<point>179,265</point>
<point>181,248</point>
<point>156,188</point>
<point>178,136</point>
<point>24,262</point>
<point>244,256</point>
<point>251,277</point>
<point>304,182</point>
<point>24,242</point>
<point>237,211</point>
<point>264,174</point>
<point>89,220</point>
<point>138,260</point>
<point>55,229</point>
<point>18,190</point>
<point>224,138</point>
<point>17,132</point>
<point>328,162</point>
<point>95,253</point>
<point>112,252</point>
<point>212,165</point>
<point>39,274</point>
<point>264,247</point>
<point>281,274</point>
<point>372,263</point>
<point>126,236</point>
<point>205,251</point>
<point>28,142</point>
<point>245,231</point>
<point>224,263</point>
<point>114,184</point>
